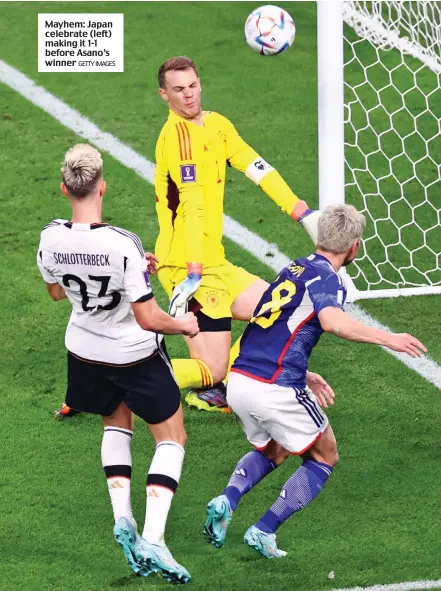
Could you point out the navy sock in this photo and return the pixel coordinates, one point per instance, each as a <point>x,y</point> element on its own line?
<point>249,471</point>
<point>303,486</point>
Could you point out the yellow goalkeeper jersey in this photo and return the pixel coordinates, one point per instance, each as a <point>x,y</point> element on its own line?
<point>190,183</point>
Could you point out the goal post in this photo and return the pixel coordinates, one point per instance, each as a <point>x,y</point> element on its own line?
<point>379,128</point>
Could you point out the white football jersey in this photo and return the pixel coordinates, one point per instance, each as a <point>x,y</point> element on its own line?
<point>103,270</point>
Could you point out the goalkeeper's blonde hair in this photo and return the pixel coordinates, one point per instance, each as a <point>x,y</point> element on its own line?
<point>339,227</point>
<point>82,169</point>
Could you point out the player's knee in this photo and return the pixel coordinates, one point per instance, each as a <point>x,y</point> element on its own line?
<point>275,452</point>
<point>183,438</point>
<point>333,458</point>
<point>218,371</point>
<point>219,375</point>
<point>122,418</point>
<point>328,456</point>
<point>180,437</point>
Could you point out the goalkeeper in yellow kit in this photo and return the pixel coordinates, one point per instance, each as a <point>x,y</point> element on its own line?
<point>192,152</point>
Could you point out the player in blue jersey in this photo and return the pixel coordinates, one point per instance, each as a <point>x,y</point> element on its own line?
<point>275,398</point>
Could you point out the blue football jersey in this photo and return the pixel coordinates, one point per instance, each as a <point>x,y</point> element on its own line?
<point>278,341</point>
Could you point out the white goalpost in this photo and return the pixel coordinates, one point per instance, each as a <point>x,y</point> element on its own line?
<point>379,91</point>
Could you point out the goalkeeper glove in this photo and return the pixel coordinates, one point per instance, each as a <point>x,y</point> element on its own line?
<point>184,290</point>
<point>308,218</point>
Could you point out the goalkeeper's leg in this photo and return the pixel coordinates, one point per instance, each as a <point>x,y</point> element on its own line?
<point>210,350</point>
<point>242,308</point>
<point>224,292</point>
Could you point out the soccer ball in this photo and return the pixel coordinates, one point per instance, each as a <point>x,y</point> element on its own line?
<point>269,30</point>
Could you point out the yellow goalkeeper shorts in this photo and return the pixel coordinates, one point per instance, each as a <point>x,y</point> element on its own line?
<point>220,286</point>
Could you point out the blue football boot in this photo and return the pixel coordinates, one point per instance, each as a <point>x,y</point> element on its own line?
<point>219,515</point>
<point>264,543</point>
<point>158,559</point>
<point>127,537</point>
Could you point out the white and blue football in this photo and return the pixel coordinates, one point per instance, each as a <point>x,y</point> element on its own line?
<point>270,30</point>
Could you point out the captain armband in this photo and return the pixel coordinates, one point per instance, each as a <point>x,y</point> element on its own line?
<point>257,170</point>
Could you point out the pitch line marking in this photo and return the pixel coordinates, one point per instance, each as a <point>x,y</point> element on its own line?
<point>407,586</point>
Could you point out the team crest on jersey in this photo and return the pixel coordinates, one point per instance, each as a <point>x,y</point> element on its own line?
<point>296,270</point>
<point>212,299</point>
<point>188,173</point>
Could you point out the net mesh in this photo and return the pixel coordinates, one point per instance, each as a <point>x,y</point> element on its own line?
<point>392,73</point>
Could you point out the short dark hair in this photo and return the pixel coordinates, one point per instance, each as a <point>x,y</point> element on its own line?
<point>180,62</point>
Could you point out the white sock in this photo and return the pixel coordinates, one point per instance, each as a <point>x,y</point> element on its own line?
<point>162,481</point>
<point>117,463</point>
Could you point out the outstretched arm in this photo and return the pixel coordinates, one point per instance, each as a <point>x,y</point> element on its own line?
<point>242,157</point>
<point>339,323</point>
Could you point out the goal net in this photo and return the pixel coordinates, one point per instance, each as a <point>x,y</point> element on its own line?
<point>392,143</point>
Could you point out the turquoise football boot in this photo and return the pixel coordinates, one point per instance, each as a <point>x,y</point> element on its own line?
<point>158,559</point>
<point>264,543</point>
<point>127,537</point>
<point>219,515</point>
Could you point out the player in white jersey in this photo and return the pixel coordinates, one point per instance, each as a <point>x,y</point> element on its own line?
<point>268,387</point>
<point>117,362</point>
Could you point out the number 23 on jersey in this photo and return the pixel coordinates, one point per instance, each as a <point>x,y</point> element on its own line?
<point>104,280</point>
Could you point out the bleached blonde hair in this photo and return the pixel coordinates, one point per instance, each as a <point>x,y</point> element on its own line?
<point>82,169</point>
<point>339,227</point>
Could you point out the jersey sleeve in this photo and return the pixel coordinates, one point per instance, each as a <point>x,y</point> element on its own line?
<point>136,278</point>
<point>42,255</point>
<point>241,156</point>
<point>325,293</point>
<point>183,153</point>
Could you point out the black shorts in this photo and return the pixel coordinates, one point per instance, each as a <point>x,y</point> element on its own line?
<point>206,323</point>
<point>148,387</point>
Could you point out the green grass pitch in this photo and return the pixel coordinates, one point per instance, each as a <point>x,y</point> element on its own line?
<point>378,519</point>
